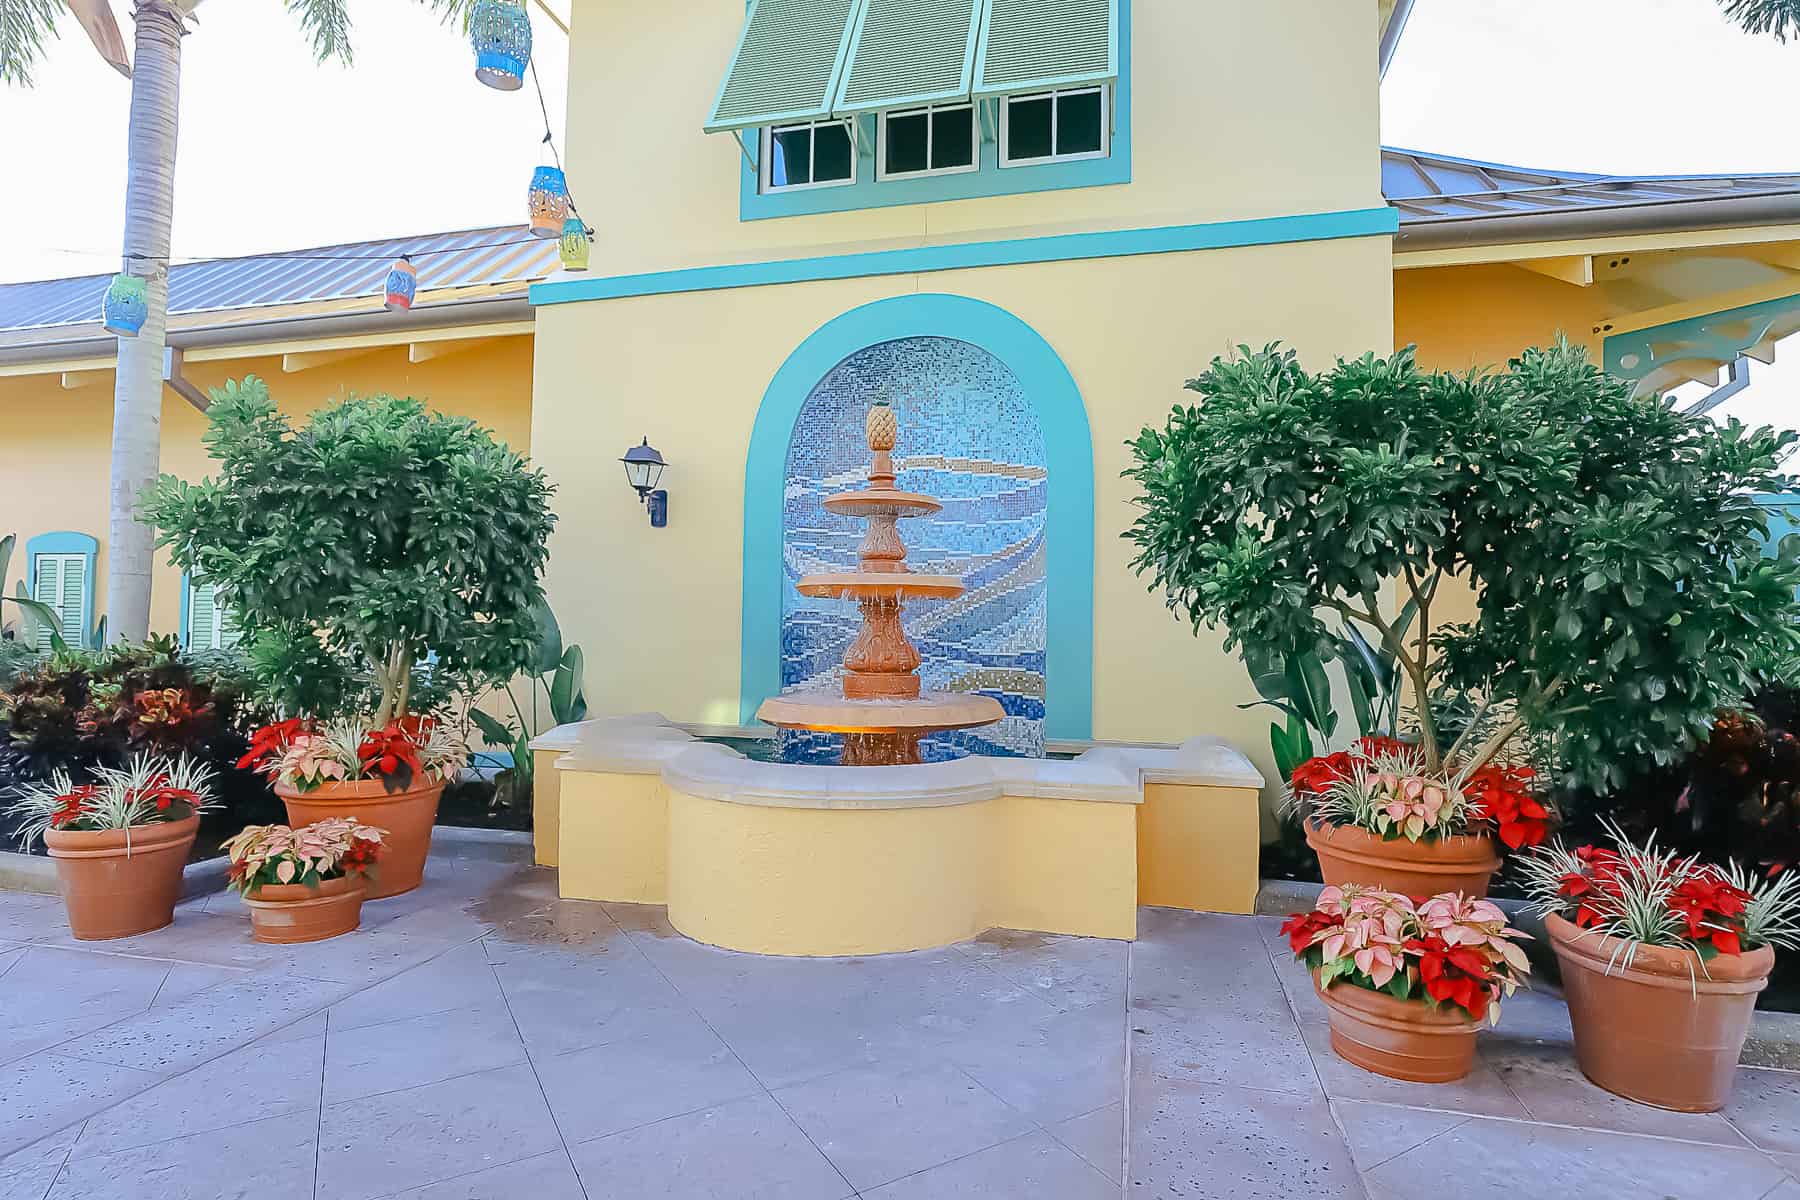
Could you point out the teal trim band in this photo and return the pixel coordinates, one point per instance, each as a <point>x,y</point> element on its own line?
<point>1068,445</point>
<point>65,541</point>
<point>1168,239</point>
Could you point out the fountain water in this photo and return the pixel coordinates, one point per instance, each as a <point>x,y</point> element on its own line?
<point>881,711</point>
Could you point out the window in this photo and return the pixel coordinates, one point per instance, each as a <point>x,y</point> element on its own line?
<point>935,140</point>
<point>61,581</point>
<point>1061,126</point>
<point>810,155</point>
<point>210,624</point>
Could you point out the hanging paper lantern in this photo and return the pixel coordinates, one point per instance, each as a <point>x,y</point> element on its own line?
<point>574,245</point>
<point>549,199</point>
<point>126,307</point>
<point>501,34</point>
<point>402,284</point>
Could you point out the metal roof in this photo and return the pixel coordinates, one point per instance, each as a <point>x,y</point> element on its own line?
<point>496,256</point>
<point>1444,200</point>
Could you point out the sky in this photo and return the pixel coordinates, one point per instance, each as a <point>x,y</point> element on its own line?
<point>277,152</point>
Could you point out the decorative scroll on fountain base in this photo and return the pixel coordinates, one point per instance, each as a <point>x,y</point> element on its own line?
<point>881,710</point>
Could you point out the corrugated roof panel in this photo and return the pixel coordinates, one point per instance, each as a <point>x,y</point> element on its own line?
<point>464,258</point>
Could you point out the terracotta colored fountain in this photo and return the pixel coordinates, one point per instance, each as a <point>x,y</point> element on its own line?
<point>881,712</point>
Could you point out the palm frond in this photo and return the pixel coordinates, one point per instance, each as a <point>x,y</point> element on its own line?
<point>24,26</point>
<point>327,24</point>
<point>1779,17</point>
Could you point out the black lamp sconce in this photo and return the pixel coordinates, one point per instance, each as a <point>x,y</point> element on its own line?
<point>643,469</point>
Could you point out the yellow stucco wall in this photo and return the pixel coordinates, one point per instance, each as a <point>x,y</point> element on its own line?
<point>1480,316</point>
<point>1239,110</point>
<point>56,452</point>
<point>689,371</point>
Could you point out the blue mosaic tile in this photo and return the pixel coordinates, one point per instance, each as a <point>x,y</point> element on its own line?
<point>970,437</point>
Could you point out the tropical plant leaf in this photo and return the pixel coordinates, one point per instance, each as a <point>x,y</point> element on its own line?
<point>567,703</point>
<point>1310,687</point>
<point>493,730</point>
<point>549,650</point>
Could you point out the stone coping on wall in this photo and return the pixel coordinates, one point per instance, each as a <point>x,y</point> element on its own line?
<point>648,743</point>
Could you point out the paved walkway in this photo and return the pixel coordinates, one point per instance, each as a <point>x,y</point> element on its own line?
<point>481,1039</point>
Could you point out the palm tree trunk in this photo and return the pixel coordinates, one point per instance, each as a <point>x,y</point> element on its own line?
<point>138,387</point>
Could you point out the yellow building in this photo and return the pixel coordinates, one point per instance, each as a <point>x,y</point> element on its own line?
<point>1026,234</point>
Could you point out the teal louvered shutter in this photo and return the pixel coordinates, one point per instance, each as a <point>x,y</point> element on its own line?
<point>203,629</point>
<point>910,52</point>
<point>788,61</point>
<point>1035,45</point>
<point>211,625</point>
<point>61,581</point>
<point>228,634</point>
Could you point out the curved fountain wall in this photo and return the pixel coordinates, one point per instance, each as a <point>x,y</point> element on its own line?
<point>970,437</point>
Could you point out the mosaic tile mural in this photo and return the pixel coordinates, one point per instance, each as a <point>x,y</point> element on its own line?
<point>968,436</point>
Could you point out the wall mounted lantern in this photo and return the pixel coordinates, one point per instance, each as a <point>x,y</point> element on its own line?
<point>643,469</point>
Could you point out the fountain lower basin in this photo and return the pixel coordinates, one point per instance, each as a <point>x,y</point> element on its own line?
<point>783,858</point>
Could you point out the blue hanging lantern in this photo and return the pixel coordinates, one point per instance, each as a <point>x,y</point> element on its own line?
<point>549,201</point>
<point>501,34</point>
<point>575,244</point>
<point>402,284</point>
<point>126,307</point>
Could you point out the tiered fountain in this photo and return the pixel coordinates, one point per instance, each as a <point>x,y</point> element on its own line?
<point>881,711</point>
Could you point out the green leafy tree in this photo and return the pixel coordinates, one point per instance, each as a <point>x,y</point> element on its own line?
<point>376,536</point>
<point>1779,17</point>
<point>1614,554</point>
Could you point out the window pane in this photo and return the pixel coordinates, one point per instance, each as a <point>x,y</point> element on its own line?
<point>905,143</point>
<point>792,151</point>
<point>831,152</point>
<point>952,138</point>
<point>1028,128</point>
<point>1078,123</point>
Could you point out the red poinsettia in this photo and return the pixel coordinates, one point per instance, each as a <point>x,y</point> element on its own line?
<point>269,742</point>
<point>1301,928</point>
<point>1711,909</point>
<point>1503,795</point>
<point>1457,975</point>
<point>392,752</point>
<point>1316,775</point>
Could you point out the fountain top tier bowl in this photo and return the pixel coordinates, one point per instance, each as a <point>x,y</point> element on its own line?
<point>881,710</point>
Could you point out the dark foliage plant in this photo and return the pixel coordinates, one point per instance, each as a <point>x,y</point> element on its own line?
<point>376,537</point>
<point>1613,550</point>
<point>78,711</point>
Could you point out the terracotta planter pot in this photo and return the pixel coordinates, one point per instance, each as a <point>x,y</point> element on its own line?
<point>1402,1039</point>
<point>1455,864</point>
<point>114,890</point>
<point>1664,1031</point>
<point>285,913</point>
<point>406,816</point>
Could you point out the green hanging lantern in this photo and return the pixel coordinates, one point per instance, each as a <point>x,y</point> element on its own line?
<point>575,245</point>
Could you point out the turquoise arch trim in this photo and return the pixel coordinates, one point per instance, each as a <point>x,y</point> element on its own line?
<point>65,541</point>
<point>1068,247</point>
<point>1069,451</point>
<point>989,179</point>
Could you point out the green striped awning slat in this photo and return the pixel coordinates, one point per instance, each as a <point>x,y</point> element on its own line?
<point>1028,45</point>
<point>909,52</point>
<point>789,59</point>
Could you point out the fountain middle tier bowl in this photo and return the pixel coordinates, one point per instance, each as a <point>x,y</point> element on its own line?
<point>829,712</point>
<point>877,585</point>
<point>881,501</point>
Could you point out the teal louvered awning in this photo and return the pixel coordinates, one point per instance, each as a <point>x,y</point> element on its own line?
<point>789,60</point>
<point>1033,45</point>
<point>909,52</point>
